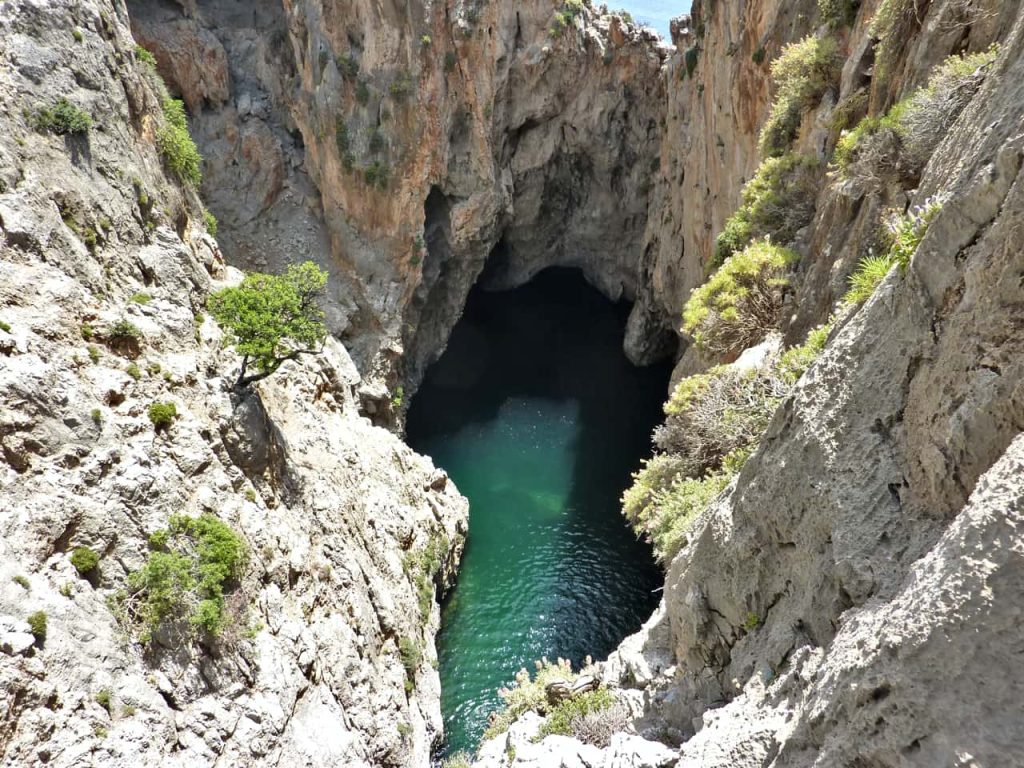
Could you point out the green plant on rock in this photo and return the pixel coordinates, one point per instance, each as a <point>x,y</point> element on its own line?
<point>801,74</point>
<point>162,415</point>
<point>210,223</point>
<point>271,319</point>
<point>138,298</point>
<point>103,697</point>
<point>362,93</point>
<point>777,202</point>
<point>348,66</point>
<point>401,87</point>
<point>22,582</point>
<point>528,694</point>
<point>838,13</point>
<point>84,560</point>
<point>376,174</point>
<point>341,135</point>
<point>741,301</point>
<point>63,118</point>
<point>94,353</point>
<point>37,625</point>
<point>422,567</point>
<point>175,142</point>
<point>411,655</point>
<point>458,760</point>
<point>145,56</point>
<point>193,564</point>
<point>903,233</point>
<point>560,719</point>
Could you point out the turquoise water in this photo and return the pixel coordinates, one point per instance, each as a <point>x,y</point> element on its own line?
<point>654,13</point>
<point>539,418</point>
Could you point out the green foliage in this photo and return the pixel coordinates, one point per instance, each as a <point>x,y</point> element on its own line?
<point>193,562</point>
<point>449,61</point>
<point>348,66</point>
<point>411,656</point>
<point>94,353</point>
<point>37,625</point>
<point>341,135</point>
<point>272,318</point>
<point>752,622</point>
<point>564,17</point>
<point>133,371</point>
<point>85,560</point>
<point>838,13</point>
<point>422,566</point>
<point>103,697</point>
<point>362,93</point>
<point>801,74</point>
<point>852,143</point>
<point>398,397</point>
<point>425,41</point>
<point>5,327</point>
<point>77,34</point>
<point>904,232</point>
<point>559,721</point>
<point>690,59</point>
<point>145,56</point>
<point>140,298</point>
<point>401,87</point>
<point>125,330</point>
<point>162,415</point>
<point>740,302</point>
<point>623,14</point>
<point>63,118</point>
<point>22,582</point>
<point>758,56</point>
<point>376,174</point>
<point>87,331</point>
<point>377,142</point>
<point>458,760</point>
<point>96,415</point>
<point>777,202</point>
<point>175,143</point>
<point>210,222</point>
<point>795,360</point>
<point>527,695</point>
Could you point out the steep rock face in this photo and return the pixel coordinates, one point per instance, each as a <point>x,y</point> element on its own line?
<point>851,599</point>
<point>334,512</point>
<point>501,141</point>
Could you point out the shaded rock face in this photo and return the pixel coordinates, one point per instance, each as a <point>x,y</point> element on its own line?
<point>333,511</point>
<point>502,143</point>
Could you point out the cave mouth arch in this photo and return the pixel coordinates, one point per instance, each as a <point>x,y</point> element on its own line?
<point>539,417</point>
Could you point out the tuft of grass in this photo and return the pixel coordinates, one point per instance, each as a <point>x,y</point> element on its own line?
<point>37,625</point>
<point>22,582</point>
<point>411,656</point>
<point>134,371</point>
<point>210,222</point>
<point>162,415</point>
<point>85,560</point>
<point>5,327</point>
<point>103,697</point>
<point>561,718</point>
<point>63,118</point>
<point>904,232</point>
<point>145,56</point>
<point>94,353</point>
<point>801,74</point>
<point>140,298</point>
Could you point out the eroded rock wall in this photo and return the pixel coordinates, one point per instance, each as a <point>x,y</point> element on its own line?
<point>333,511</point>
<point>502,143</point>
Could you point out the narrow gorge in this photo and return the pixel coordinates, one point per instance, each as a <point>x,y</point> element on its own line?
<point>331,332</point>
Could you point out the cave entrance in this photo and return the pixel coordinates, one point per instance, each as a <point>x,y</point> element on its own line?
<point>538,416</point>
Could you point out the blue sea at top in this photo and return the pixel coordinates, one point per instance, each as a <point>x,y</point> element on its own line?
<point>653,13</point>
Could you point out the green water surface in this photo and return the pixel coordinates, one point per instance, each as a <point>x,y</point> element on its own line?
<point>539,418</point>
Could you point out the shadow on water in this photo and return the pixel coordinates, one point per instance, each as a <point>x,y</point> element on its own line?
<point>539,418</point>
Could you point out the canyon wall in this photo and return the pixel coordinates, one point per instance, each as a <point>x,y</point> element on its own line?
<point>330,657</point>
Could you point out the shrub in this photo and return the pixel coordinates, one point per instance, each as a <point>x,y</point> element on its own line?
<point>85,560</point>
<point>458,760</point>
<point>125,330</point>
<point>894,23</point>
<point>838,13</point>
<point>5,327</point>
<point>777,202</point>
<point>341,135</point>
<point>162,415</point>
<point>904,232</point>
<point>740,302</point>
<point>272,318</point>
<point>348,66</point>
<point>86,330</point>
<point>561,718</point>
<point>376,174</point>
<point>422,567</point>
<point>193,562</point>
<point>63,118</point>
<point>528,694</point>
<point>37,625</point>
<point>210,222</point>
<point>103,698</point>
<point>134,371</point>
<point>145,56</point>
<point>22,582</point>
<point>77,34</point>
<point>401,88</point>
<point>425,41</point>
<point>137,298</point>
<point>598,726</point>
<point>94,353</point>
<point>411,656</point>
<point>801,74</point>
<point>175,143</point>
<point>362,93</point>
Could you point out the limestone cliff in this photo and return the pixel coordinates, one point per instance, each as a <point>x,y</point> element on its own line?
<point>95,235</point>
